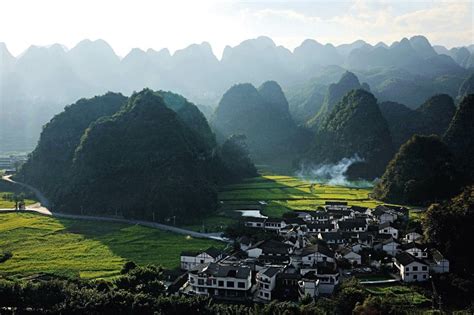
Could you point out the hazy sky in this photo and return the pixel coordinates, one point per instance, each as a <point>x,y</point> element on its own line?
<point>127,24</point>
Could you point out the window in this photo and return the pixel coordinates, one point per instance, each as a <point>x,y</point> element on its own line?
<point>424,268</point>
<point>230,284</point>
<point>221,283</point>
<point>266,294</point>
<point>415,276</point>
<point>415,268</point>
<point>325,258</point>
<point>200,281</point>
<point>241,285</point>
<point>407,268</point>
<point>265,286</point>
<point>202,261</point>
<point>424,276</point>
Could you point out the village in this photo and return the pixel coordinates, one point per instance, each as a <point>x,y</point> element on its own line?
<point>311,253</point>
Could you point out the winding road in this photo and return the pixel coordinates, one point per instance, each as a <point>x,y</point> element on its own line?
<point>42,208</point>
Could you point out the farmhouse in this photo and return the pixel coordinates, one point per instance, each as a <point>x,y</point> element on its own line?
<point>308,285</point>
<point>190,260</point>
<point>316,253</point>
<point>415,249</point>
<point>220,280</point>
<point>411,269</point>
<point>350,255</point>
<point>388,228</point>
<point>266,281</point>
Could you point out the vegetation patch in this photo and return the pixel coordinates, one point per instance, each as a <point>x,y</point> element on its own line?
<point>400,294</point>
<point>87,249</point>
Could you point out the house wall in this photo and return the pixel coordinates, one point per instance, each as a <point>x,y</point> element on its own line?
<point>413,272</point>
<point>190,262</point>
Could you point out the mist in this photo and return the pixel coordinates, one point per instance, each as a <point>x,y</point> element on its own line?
<point>332,174</point>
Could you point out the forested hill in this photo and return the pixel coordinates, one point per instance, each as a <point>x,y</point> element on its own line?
<point>154,152</point>
<point>262,115</point>
<point>355,127</point>
<point>432,117</point>
<point>48,167</point>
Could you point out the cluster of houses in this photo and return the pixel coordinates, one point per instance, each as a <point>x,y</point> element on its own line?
<point>310,253</point>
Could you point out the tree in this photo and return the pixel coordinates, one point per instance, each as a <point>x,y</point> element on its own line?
<point>236,157</point>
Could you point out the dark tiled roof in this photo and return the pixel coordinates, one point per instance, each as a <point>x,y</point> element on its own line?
<point>388,241</point>
<point>317,249</point>
<point>352,223</point>
<point>411,245</point>
<point>213,252</point>
<point>436,255</point>
<point>326,268</point>
<point>320,226</point>
<point>271,271</point>
<point>385,225</point>
<point>217,270</point>
<point>406,259</point>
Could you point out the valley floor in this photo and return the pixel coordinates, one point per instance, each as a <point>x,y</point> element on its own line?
<point>88,249</point>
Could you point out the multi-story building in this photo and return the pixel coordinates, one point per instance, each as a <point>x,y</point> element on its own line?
<point>218,280</point>
<point>266,282</point>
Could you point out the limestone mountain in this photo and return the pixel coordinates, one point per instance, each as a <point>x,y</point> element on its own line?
<point>355,127</point>
<point>48,167</point>
<point>334,95</point>
<point>432,117</point>
<point>141,162</point>
<point>262,116</point>
<point>422,171</point>
<point>460,137</point>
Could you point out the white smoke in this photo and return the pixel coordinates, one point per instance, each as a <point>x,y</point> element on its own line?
<point>332,174</point>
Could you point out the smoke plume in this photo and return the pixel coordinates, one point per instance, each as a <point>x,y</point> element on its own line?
<point>332,174</point>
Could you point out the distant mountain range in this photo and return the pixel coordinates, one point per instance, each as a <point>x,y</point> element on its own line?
<point>37,84</point>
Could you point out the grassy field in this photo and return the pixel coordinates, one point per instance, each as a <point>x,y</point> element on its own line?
<point>87,249</point>
<point>284,193</point>
<point>404,294</point>
<point>5,204</point>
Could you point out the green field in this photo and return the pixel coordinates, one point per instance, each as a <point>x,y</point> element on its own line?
<point>284,193</point>
<point>88,249</point>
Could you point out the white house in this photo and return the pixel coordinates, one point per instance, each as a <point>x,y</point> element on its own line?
<point>316,253</point>
<point>353,257</point>
<point>214,279</point>
<point>255,222</point>
<point>309,285</point>
<point>415,249</point>
<point>438,263</point>
<point>328,276</point>
<point>387,228</point>
<point>390,246</point>
<point>411,269</point>
<point>266,282</point>
<point>412,236</point>
<point>192,259</point>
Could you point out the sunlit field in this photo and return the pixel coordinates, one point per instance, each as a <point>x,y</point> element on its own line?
<point>285,193</point>
<point>87,249</point>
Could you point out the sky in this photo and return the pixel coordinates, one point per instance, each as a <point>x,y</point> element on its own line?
<point>127,24</point>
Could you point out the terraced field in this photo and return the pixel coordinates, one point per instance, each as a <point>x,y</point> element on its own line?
<point>285,193</point>
<point>88,249</point>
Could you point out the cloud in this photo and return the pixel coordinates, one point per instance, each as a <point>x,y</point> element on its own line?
<point>445,22</point>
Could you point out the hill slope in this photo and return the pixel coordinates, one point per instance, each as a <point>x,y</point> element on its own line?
<point>423,170</point>
<point>354,127</point>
